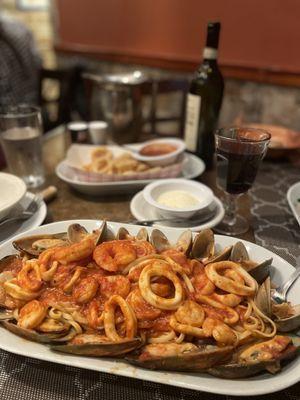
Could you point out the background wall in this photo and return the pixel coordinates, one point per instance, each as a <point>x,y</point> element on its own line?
<point>261,34</point>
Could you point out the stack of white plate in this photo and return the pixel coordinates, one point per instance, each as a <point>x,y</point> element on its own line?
<point>207,213</point>
<point>13,200</point>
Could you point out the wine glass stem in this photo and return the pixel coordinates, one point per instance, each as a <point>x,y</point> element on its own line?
<point>230,208</point>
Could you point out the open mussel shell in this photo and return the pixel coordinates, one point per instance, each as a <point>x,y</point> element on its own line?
<point>204,245</point>
<point>104,233</point>
<point>263,297</point>
<point>261,271</point>
<point>30,334</point>
<point>7,263</point>
<point>196,360</point>
<point>239,252</point>
<point>222,256</point>
<point>184,242</point>
<point>235,370</point>
<point>105,349</point>
<point>36,244</point>
<point>159,241</point>
<point>291,323</point>
<point>6,315</point>
<point>76,233</point>
<point>142,234</point>
<point>122,234</point>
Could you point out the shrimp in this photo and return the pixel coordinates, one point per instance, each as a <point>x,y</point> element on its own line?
<point>114,255</point>
<point>85,290</point>
<point>142,309</point>
<point>32,314</point>
<point>180,258</point>
<point>143,248</point>
<point>114,284</point>
<point>75,252</point>
<point>202,284</point>
<point>95,315</point>
<point>30,277</point>
<point>221,332</point>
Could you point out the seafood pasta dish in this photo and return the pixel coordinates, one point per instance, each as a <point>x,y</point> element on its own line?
<point>184,306</point>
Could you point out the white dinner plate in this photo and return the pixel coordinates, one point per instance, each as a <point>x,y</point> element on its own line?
<point>141,210</point>
<point>192,167</point>
<point>293,198</point>
<point>258,385</point>
<point>11,229</point>
<point>13,190</point>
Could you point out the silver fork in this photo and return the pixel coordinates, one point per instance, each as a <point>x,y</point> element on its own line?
<point>31,209</point>
<point>279,294</point>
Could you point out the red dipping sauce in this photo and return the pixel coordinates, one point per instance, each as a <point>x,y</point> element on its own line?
<point>157,149</point>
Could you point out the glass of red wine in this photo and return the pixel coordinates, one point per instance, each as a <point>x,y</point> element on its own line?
<point>239,153</point>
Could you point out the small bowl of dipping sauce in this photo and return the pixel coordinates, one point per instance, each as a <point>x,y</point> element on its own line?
<point>159,152</point>
<point>178,198</point>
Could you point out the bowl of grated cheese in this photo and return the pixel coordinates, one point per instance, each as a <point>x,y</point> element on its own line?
<point>178,198</point>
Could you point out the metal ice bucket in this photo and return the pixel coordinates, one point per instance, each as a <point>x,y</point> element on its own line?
<point>120,103</point>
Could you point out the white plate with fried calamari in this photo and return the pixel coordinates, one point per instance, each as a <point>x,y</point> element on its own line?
<point>257,385</point>
<point>189,168</point>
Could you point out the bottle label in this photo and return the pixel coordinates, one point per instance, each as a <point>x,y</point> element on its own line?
<point>210,53</point>
<point>192,121</point>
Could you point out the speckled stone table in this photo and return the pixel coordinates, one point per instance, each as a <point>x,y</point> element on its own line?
<point>272,226</point>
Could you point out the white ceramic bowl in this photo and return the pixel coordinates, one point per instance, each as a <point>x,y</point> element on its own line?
<point>203,193</point>
<point>12,191</point>
<point>164,159</point>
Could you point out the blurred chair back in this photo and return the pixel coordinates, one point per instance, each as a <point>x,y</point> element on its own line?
<point>157,120</point>
<point>59,95</point>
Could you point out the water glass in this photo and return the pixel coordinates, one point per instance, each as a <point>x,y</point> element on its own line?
<point>239,153</point>
<point>20,137</point>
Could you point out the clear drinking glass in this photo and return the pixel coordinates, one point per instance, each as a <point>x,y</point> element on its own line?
<point>20,137</point>
<point>239,153</point>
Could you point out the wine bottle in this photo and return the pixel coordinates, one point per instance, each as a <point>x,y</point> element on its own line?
<point>204,100</point>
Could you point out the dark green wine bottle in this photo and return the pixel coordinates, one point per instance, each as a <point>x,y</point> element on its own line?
<point>204,100</point>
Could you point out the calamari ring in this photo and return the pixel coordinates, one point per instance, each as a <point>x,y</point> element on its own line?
<point>165,337</point>
<point>110,321</point>
<point>76,275</point>
<point>101,152</point>
<point>75,252</point>
<point>32,314</point>
<point>230,315</point>
<point>230,300</point>
<point>48,274</point>
<point>186,329</point>
<point>101,165</point>
<point>160,269</point>
<point>30,276</point>
<point>214,271</point>
<point>14,290</point>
